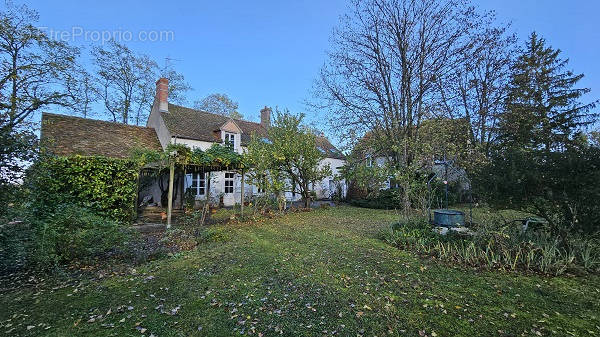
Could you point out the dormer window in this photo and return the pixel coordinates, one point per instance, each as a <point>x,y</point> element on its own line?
<point>230,140</point>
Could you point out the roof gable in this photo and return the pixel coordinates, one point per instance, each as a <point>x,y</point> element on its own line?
<point>231,126</point>
<point>330,151</point>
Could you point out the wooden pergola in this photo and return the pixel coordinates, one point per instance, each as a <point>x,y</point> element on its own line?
<point>207,168</point>
<point>203,168</point>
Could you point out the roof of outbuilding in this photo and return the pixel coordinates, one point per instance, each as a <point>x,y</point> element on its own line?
<point>68,135</point>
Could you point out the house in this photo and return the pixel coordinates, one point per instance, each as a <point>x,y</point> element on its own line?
<point>173,124</point>
<point>444,144</point>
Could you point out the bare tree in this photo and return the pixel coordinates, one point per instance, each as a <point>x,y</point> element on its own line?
<point>219,104</point>
<point>34,69</point>
<point>125,81</point>
<point>178,87</point>
<point>478,85</point>
<point>386,63</point>
<point>387,59</point>
<point>83,89</point>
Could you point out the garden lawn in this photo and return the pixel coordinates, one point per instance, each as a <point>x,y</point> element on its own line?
<point>316,273</point>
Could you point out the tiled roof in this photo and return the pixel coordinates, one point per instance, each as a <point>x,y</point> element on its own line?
<point>201,125</point>
<point>67,135</point>
<point>328,149</point>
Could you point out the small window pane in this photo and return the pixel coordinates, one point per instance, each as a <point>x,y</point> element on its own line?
<point>229,182</point>
<point>230,140</point>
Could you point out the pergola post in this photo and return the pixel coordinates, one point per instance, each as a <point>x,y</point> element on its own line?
<point>242,196</point>
<point>182,193</point>
<point>170,197</point>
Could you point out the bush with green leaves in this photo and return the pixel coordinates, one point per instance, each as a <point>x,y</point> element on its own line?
<point>385,199</point>
<point>69,233</point>
<point>106,185</point>
<point>410,232</point>
<point>16,244</point>
<point>421,196</point>
<point>75,233</point>
<point>562,187</point>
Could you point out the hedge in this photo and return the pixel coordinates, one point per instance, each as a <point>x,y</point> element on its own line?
<point>105,185</point>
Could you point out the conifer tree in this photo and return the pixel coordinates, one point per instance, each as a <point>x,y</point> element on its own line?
<point>543,108</point>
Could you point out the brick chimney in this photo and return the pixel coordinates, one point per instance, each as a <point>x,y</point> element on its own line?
<point>162,94</point>
<point>265,117</point>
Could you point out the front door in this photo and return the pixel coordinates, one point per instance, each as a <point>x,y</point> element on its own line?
<point>229,189</point>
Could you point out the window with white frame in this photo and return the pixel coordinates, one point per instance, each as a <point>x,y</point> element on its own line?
<point>229,177</point>
<point>198,184</point>
<point>230,140</point>
<point>369,161</point>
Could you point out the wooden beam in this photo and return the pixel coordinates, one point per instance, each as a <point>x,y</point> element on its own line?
<point>170,197</point>
<point>182,194</point>
<point>242,196</point>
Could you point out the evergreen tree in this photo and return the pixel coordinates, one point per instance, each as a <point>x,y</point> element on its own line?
<point>543,109</point>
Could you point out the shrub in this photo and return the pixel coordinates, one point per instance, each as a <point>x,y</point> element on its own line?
<point>105,185</point>
<point>73,232</point>
<point>562,187</point>
<point>392,198</point>
<point>192,219</point>
<point>264,202</point>
<point>16,240</point>
<point>410,232</point>
<point>385,199</point>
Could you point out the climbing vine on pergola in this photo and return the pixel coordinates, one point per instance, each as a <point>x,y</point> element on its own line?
<point>216,158</point>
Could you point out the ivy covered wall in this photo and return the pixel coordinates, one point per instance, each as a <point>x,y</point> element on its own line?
<point>105,185</point>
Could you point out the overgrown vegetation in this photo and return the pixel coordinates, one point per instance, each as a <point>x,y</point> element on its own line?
<point>496,245</point>
<point>105,185</point>
<point>423,195</point>
<point>68,234</point>
<point>543,162</point>
<point>73,233</point>
<point>71,209</point>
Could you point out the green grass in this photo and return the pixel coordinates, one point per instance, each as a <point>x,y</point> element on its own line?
<point>313,274</point>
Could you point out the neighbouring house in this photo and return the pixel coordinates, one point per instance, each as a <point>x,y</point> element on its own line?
<point>439,135</point>
<point>174,124</point>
